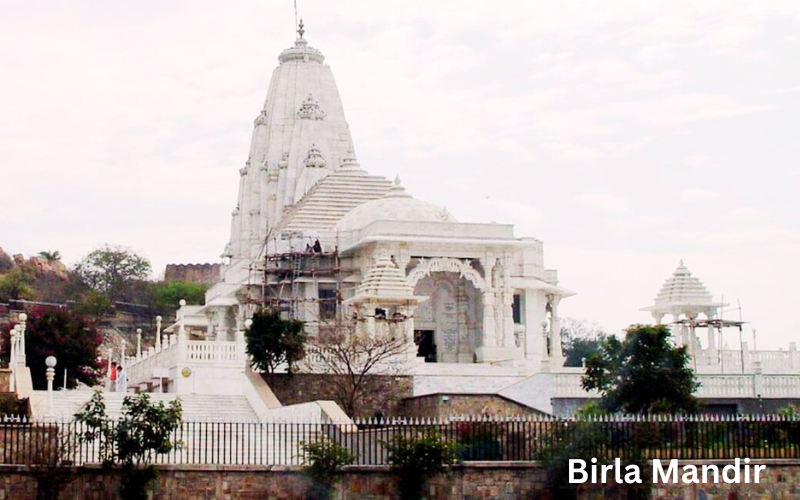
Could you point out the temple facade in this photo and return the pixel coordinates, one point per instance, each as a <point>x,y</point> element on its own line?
<point>310,224</point>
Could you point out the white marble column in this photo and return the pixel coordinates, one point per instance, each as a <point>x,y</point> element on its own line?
<point>712,340</point>
<point>508,305</point>
<point>555,330</point>
<point>158,333</point>
<point>489,338</point>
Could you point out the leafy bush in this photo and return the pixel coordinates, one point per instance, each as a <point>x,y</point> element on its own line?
<point>325,458</point>
<point>418,458</point>
<point>143,431</point>
<point>68,336</point>
<point>10,405</point>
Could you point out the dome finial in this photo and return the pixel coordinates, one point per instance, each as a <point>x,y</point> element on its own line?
<point>300,29</point>
<point>396,180</point>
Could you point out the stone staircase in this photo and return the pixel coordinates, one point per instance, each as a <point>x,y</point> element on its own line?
<point>196,407</point>
<point>332,198</point>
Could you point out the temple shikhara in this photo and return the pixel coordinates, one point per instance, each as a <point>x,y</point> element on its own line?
<point>316,236</point>
<point>310,224</point>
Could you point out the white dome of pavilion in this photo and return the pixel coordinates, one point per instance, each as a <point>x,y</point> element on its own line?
<point>682,293</point>
<point>396,205</point>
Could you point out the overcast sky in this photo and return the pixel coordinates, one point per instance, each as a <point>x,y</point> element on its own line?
<point>625,135</point>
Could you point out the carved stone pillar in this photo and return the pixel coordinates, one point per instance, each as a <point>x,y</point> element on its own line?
<point>555,329</point>
<point>712,341</point>
<point>489,337</point>
<point>508,305</point>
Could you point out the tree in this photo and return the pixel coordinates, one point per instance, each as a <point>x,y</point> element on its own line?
<point>417,458</point>
<point>112,269</point>
<point>50,255</point>
<point>643,374</point>
<point>273,341</point>
<point>144,431</point>
<point>580,340</point>
<point>68,336</point>
<point>164,296</point>
<point>17,284</point>
<point>353,357</point>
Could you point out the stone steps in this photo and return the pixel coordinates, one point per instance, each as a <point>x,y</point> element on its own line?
<point>196,407</point>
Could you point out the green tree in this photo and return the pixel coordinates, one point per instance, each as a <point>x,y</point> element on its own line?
<point>112,270</point>
<point>164,296</point>
<point>580,340</point>
<point>68,336</point>
<point>50,255</point>
<point>144,431</point>
<point>17,284</point>
<point>643,374</point>
<point>272,341</point>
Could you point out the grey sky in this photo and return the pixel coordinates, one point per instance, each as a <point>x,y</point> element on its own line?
<point>626,135</point>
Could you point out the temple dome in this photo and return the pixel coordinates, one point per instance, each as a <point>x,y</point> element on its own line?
<point>396,205</point>
<point>682,293</point>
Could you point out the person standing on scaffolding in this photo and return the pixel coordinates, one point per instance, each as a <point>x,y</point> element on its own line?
<point>317,246</point>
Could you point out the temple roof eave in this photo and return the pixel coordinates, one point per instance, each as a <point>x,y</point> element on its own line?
<point>529,282</point>
<point>473,242</point>
<point>386,299</point>
<point>682,307</point>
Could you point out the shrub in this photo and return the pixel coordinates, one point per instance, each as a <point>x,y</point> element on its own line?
<point>324,458</point>
<point>418,458</point>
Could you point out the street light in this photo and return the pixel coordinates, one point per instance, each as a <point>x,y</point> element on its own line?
<point>50,373</point>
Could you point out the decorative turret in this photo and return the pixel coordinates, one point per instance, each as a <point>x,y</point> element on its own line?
<point>385,281</point>
<point>683,294</point>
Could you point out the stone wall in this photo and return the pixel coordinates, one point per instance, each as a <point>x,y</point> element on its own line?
<point>442,406</point>
<point>383,394</point>
<point>192,273</point>
<point>477,480</point>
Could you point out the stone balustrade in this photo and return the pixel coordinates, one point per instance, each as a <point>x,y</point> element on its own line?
<point>180,352</point>
<point>568,385</point>
<point>745,361</point>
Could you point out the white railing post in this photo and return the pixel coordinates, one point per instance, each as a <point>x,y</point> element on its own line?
<point>50,374</point>
<point>758,380</point>
<point>12,360</point>
<point>21,358</point>
<point>158,333</point>
<point>138,344</point>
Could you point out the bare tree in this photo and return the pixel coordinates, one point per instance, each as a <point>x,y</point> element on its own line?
<point>353,358</point>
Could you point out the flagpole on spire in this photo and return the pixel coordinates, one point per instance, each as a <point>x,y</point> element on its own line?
<point>295,15</point>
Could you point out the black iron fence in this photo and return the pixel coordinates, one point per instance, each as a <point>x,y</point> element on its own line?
<point>508,439</point>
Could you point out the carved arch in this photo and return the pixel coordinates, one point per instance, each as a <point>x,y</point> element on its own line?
<point>448,265</point>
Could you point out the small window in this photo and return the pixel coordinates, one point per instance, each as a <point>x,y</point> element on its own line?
<point>327,301</point>
<point>516,309</point>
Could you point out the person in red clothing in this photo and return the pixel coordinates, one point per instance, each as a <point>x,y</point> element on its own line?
<point>113,376</point>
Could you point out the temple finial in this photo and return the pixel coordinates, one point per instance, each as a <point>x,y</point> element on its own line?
<point>300,29</point>
<point>397,180</point>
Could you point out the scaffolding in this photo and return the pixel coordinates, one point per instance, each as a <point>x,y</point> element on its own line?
<point>280,275</point>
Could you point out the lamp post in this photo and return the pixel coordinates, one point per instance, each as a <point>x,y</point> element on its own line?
<point>12,360</point>
<point>50,373</point>
<point>181,323</point>
<point>23,319</point>
<point>158,333</point>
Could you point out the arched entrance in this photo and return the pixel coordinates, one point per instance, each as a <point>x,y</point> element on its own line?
<point>448,325</point>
